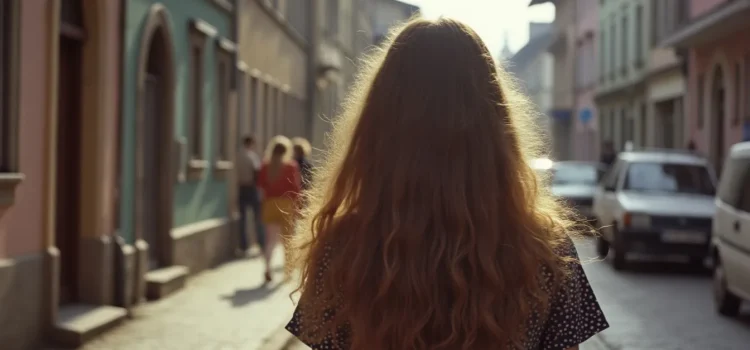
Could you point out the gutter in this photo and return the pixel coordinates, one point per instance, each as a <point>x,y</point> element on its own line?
<point>312,64</point>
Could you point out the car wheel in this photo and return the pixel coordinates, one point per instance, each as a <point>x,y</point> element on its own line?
<point>619,261</point>
<point>726,302</point>
<point>602,246</point>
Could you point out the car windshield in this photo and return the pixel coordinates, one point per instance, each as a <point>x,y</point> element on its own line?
<point>665,177</point>
<point>578,174</point>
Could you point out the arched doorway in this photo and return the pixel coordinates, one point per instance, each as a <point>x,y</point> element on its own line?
<point>718,118</point>
<point>68,150</point>
<point>154,119</point>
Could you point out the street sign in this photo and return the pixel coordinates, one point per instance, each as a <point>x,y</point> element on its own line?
<point>585,115</point>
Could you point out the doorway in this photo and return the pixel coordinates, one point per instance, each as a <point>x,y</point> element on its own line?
<point>68,150</point>
<point>718,96</point>
<point>153,132</point>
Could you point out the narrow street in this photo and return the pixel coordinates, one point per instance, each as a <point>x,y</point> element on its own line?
<point>661,306</point>
<point>652,306</point>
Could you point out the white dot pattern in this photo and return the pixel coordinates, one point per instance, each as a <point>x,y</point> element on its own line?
<point>573,317</point>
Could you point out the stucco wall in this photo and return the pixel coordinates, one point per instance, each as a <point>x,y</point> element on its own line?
<point>699,7</point>
<point>194,200</point>
<point>265,46</point>
<point>724,54</point>
<point>21,227</point>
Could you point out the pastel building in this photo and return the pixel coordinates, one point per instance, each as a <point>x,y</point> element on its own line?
<point>585,137</point>
<point>60,71</point>
<point>177,143</point>
<point>718,74</point>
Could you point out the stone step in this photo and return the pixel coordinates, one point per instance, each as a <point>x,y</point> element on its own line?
<point>165,281</point>
<point>78,323</point>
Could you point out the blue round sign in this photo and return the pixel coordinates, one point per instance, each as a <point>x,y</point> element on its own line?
<point>585,115</point>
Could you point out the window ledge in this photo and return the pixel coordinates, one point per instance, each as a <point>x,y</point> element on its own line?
<point>8,184</point>
<point>195,169</point>
<point>225,5</point>
<point>222,168</point>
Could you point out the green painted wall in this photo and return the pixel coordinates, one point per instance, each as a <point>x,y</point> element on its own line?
<point>193,200</point>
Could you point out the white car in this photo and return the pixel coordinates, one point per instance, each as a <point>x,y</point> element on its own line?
<point>657,203</point>
<point>731,233</point>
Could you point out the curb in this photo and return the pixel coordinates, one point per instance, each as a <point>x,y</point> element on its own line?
<point>280,339</point>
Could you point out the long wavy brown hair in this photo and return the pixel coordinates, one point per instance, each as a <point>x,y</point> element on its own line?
<point>426,227</point>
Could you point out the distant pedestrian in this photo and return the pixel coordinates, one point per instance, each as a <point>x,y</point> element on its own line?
<point>280,182</point>
<point>248,165</point>
<point>427,227</point>
<point>691,146</point>
<point>608,154</point>
<point>301,155</point>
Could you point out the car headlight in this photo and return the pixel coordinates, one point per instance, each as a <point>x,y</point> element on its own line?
<point>636,220</point>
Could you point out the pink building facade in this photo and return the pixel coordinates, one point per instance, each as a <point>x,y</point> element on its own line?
<point>718,79</point>
<point>585,139</point>
<point>57,169</point>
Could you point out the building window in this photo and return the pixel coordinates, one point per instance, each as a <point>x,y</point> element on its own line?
<point>613,51</point>
<point>746,91</point>
<point>602,58</point>
<point>255,109</point>
<point>624,61</point>
<point>737,94</point>
<point>332,16</point>
<point>199,34</point>
<point>224,54</point>
<point>8,86</point>
<point>639,36</point>
<point>701,98</point>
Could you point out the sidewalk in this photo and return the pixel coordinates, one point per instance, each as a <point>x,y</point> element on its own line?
<point>226,308</point>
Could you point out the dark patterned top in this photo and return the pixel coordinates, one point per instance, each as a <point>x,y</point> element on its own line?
<point>574,315</point>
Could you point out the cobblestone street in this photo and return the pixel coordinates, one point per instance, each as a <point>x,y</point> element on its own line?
<point>226,308</point>
<point>661,306</point>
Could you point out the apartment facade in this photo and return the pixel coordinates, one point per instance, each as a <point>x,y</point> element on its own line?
<point>60,70</point>
<point>533,66</point>
<point>666,83</point>
<point>176,142</point>
<point>563,50</point>
<point>621,95</point>
<point>342,32</point>
<point>389,13</point>
<point>585,139</point>
<point>718,79</point>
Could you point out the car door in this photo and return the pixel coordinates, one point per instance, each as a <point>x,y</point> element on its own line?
<point>735,233</point>
<point>606,201</point>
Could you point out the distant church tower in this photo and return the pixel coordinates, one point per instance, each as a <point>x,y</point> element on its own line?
<point>506,54</point>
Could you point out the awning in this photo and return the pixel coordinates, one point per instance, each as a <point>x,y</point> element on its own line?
<point>720,22</point>
<point>561,114</point>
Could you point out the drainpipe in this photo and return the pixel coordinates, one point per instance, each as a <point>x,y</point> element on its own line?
<point>574,104</point>
<point>312,64</point>
<point>122,294</point>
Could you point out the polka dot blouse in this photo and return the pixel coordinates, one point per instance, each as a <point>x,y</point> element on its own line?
<point>574,315</point>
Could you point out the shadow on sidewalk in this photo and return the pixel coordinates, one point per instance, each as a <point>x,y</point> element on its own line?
<point>242,297</point>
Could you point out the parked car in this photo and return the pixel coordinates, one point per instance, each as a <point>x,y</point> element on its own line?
<point>576,183</point>
<point>731,233</point>
<point>658,202</point>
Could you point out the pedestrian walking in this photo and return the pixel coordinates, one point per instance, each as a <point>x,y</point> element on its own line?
<point>302,151</point>
<point>608,154</point>
<point>280,182</point>
<point>428,228</point>
<point>247,172</point>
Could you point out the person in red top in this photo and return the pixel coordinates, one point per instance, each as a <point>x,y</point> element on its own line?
<point>280,183</point>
